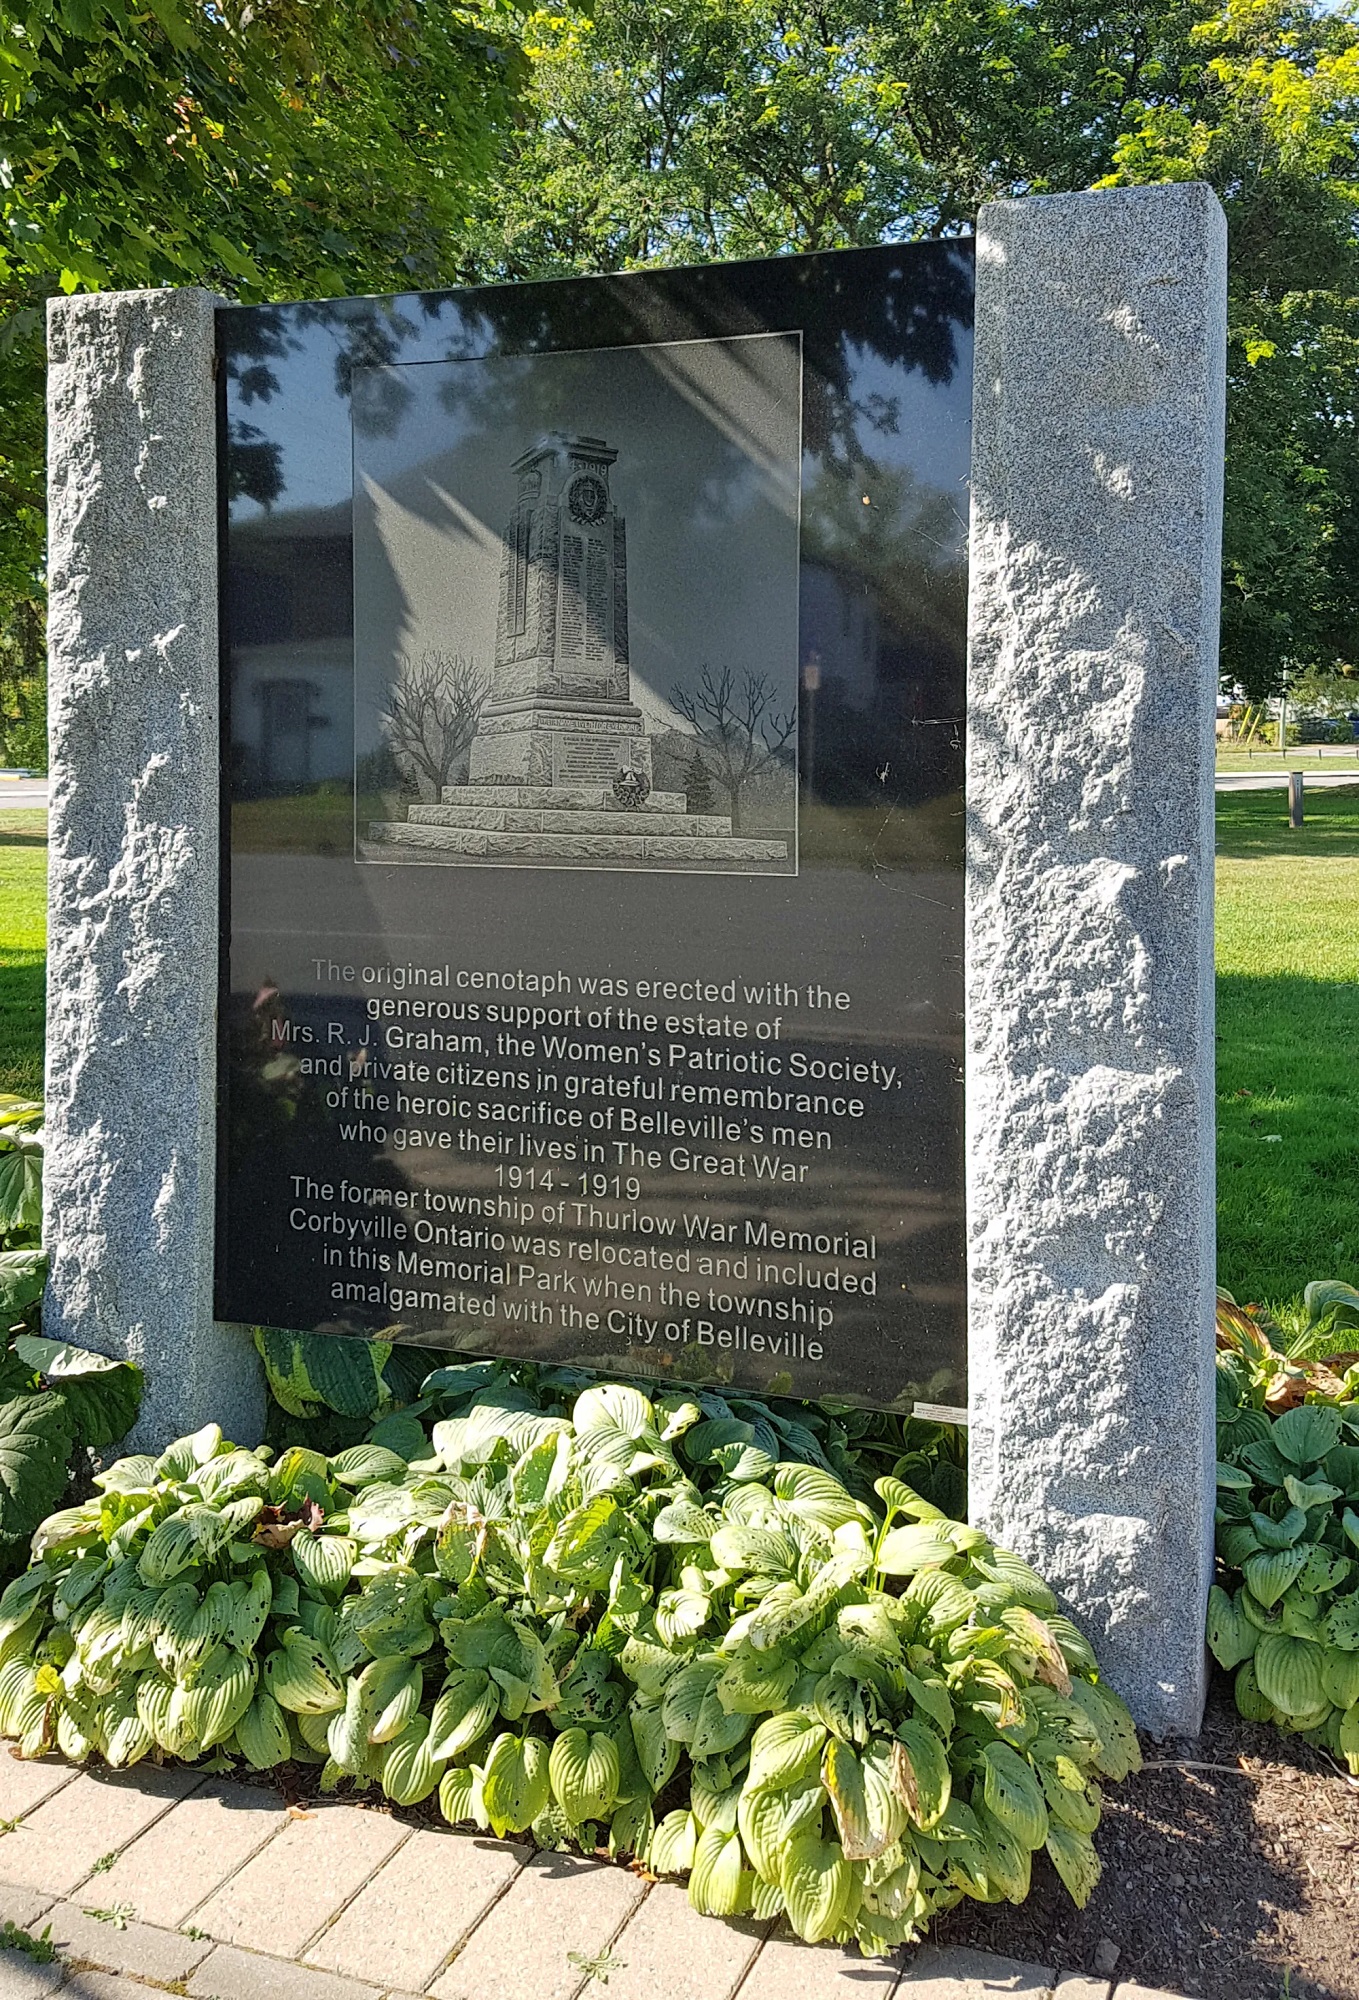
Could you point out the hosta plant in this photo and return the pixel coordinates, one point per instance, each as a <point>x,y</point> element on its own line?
<point>601,1619</point>
<point>1287,1620</point>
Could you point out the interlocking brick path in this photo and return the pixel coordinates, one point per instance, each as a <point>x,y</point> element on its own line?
<point>156,1881</point>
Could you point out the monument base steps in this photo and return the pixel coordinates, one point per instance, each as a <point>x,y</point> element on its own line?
<point>560,823</point>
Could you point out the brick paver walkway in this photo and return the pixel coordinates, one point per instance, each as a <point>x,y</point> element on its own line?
<point>154,1880</point>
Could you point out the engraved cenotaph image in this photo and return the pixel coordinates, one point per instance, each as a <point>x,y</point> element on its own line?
<point>571,749</point>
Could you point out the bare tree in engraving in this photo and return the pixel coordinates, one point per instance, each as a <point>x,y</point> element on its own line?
<point>431,717</point>
<point>740,726</point>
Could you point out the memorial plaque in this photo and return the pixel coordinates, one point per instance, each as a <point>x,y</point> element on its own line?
<point>593,659</point>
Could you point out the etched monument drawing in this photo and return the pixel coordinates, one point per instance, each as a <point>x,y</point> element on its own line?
<point>544,611</point>
<point>560,766</point>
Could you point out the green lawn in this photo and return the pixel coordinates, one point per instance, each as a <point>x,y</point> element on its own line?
<point>1288,1028</point>
<point>23,929</point>
<point>1288,1042</point>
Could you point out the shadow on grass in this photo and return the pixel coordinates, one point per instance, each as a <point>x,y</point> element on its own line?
<point>1287,1150</point>
<point>23,1012</point>
<point>1253,826</point>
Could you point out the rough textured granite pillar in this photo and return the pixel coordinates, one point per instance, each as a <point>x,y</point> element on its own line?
<point>133,895</point>
<point>1096,520</point>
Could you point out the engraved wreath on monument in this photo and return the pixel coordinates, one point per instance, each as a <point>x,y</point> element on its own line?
<point>576,606</point>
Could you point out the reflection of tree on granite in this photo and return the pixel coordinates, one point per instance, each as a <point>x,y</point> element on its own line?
<point>743,732</point>
<point>431,718</point>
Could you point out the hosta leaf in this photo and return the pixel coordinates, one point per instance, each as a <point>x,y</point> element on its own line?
<point>921,1774</point>
<point>1249,1701</point>
<point>394,1688</point>
<point>1270,1573</point>
<point>649,1665</point>
<point>1015,1575</point>
<point>301,1474</point>
<point>1008,1863</point>
<point>1119,1752</point>
<point>464,1711</point>
<point>768,1818</point>
<point>226,1687</point>
<point>613,1407</point>
<point>1074,1857</point>
<point>903,1551</point>
<point>743,1451</point>
<point>1038,1640</point>
<point>1323,1572</point>
<point>1072,1799</point>
<point>1347,1738</point>
<point>715,1882</point>
<point>681,1614</point>
<point>815,1495</point>
<point>1305,1435</point>
<point>298,1676</point>
<point>251,1602</point>
<point>739,1548</point>
<point>754,1683</point>
<point>20,1183</point>
<point>658,1752</point>
<point>1340,1626</point>
<point>766,1900</point>
<point>323,1562</point>
<point>1288,1674</point>
<point>786,1749</point>
<point>541,1473</point>
<point>631,1829</point>
<point>1280,1534</point>
<point>362,1464</point>
<point>684,1697</point>
<point>673,1844</point>
<point>681,1521</point>
<point>23,1273</point>
<point>1340,1677</point>
<point>1231,1636</point>
<point>583,1773</point>
<point>869,1810</point>
<point>102,1397</point>
<point>410,1770</point>
<point>126,1738</point>
<point>306,1370</point>
<point>1013,1795</point>
<point>390,1614</point>
<point>347,1741</point>
<point>944,1601</point>
<point>460,1796</point>
<point>584,1545</point>
<point>816,1881</point>
<point>515,1783</point>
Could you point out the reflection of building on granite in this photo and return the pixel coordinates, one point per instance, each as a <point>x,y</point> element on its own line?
<point>291,654</point>
<point>874,701</point>
<point>561,764</point>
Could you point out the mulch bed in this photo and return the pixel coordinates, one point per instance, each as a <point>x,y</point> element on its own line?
<point>1237,1884</point>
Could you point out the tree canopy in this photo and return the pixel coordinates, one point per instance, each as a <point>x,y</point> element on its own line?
<point>294,148</point>
<point>662,131</point>
<point>260,148</point>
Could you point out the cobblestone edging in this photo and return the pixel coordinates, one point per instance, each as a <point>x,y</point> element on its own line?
<point>157,1881</point>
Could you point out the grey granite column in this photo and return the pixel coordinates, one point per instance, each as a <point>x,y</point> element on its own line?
<point>1096,528</point>
<point>133,893</point>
